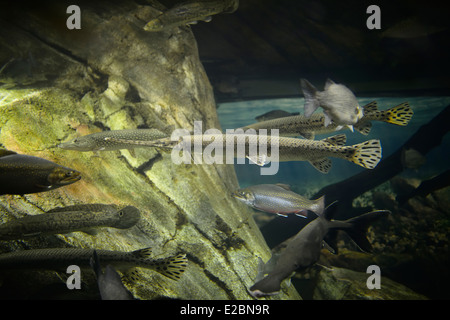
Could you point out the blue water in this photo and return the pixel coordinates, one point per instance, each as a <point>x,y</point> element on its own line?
<point>307,179</point>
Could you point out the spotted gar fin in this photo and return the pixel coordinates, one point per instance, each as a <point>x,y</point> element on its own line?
<point>399,115</point>
<point>366,154</point>
<point>61,258</point>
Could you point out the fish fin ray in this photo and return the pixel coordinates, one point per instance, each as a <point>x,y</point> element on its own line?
<point>399,115</point>
<point>370,107</point>
<point>358,227</point>
<point>172,267</point>
<point>302,214</point>
<point>336,140</point>
<point>328,83</point>
<point>319,206</point>
<point>143,253</point>
<point>260,160</point>
<point>323,165</point>
<point>366,154</point>
<point>311,102</point>
<point>307,135</point>
<point>281,215</point>
<point>364,127</point>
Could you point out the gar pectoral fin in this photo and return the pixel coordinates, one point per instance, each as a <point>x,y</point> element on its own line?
<point>260,160</point>
<point>43,187</point>
<point>323,165</point>
<point>363,128</point>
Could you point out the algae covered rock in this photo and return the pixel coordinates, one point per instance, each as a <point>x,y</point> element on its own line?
<point>113,75</point>
<point>346,284</point>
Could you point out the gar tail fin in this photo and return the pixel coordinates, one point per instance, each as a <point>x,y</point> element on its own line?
<point>399,115</point>
<point>311,102</point>
<point>172,267</point>
<point>357,228</point>
<point>366,154</point>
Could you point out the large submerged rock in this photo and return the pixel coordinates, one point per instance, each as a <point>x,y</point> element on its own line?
<point>345,284</point>
<point>112,74</point>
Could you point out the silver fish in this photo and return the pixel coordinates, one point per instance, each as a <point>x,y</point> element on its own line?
<point>279,199</point>
<point>338,102</point>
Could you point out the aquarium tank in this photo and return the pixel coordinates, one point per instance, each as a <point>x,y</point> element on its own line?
<point>224,150</point>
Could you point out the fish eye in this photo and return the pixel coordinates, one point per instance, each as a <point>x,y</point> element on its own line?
<point>120,213</point>
<point>244,195</point>
<point>69,174</point>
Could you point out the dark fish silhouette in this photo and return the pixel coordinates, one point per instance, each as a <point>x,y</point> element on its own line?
<point>109,283</point>
<point>304,249</point>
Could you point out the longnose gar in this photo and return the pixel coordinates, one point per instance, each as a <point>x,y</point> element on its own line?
<point>299,125</point>
<point>61,258</point>
<point>23,174</point>
<point>65,221</point>
<point>100,141</point>
<point>316,152</point>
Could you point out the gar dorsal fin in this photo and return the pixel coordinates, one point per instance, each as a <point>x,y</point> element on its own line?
<point>323,165</point>
<point>364,127</point>
<point>370,107</point>
<point>337,140</point>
